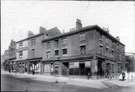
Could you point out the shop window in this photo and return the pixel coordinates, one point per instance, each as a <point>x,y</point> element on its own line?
<point>83,49</point>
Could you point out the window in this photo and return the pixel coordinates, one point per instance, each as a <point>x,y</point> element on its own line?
<point>20,44</point>
<point>20,54</point>
<point>112,52</point>
<point>101,49</point>
<point>83,49</point>
<point>64,51</point>
<point>82,37</point>
<point>107,50</point>
<point>64,40</point>
<point>33,52</point>
<point>56,43</point>
<point>101,37</point>
<point>48,54</point>
<point>107,41</point>
<point>56,52</point>
<point>32,41</point>
<point>48,45</point>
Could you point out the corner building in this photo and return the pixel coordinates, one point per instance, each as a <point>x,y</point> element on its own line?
<point>83,50</point>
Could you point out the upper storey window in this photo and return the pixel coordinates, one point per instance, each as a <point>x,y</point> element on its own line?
<point>107,41</point>
<point>48,45</point>
<point>32,41</point>
<point>101,37</point>
<point>64,40</point>
<point>20,44</point>
<point>20,54</point>
<point>83,49</point>
<point>82,37</point>
<point>56,43</point>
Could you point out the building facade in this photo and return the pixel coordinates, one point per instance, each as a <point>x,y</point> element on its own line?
<point>84,50</point>
<point>78,52</point>
<point>130,62</point>
<point>12,54</point>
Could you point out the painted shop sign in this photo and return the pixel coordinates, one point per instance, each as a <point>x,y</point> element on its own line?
<point>88,64</point>
<point>76,64</point>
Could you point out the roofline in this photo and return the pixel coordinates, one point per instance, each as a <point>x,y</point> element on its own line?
<point>109,35</point>
<point>34,36</point>
<point>30,37</point>
<point>70,33</point>
<point>82,30</point>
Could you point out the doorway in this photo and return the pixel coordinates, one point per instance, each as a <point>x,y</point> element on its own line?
<point>82,68</point>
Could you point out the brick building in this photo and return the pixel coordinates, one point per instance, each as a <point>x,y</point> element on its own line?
<point>78,52</point>
<point>29,50</point>
<point>12,54</point>
<point>83,50</point>
<point>130,62</point>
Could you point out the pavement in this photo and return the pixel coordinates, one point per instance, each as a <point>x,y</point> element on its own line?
<point>93,83</point>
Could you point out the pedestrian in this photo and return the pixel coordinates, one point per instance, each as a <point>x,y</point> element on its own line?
<point>89,75</point>
<point>33,72</point>
<point>123,76</point>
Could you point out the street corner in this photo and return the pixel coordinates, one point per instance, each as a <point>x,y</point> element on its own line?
<point>118,83</point>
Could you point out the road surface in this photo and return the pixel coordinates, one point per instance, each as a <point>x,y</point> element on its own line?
<point>11,83</point>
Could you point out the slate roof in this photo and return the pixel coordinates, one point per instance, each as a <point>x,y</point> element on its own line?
<point>51,33</point>
<point>87,28</point>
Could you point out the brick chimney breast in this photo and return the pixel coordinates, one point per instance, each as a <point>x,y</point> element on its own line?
<point>78,24</point>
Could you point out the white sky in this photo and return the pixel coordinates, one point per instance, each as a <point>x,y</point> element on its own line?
<point>18,17</point>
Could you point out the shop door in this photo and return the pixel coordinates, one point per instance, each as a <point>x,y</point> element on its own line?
<point>82,68</point>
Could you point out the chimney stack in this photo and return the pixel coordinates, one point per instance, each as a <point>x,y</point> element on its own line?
<point>42,30</point>
<point>30,34</point>
<point>78,24</point>
<point>118,38</point>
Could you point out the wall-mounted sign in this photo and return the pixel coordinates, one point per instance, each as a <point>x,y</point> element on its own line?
<point>94,65</point>
<point>71,65</point>
<point>76,64</point>
<point>47,68</point>
<point>88,64</point>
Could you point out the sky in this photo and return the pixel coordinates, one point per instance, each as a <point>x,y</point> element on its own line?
<point>19,17</point>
